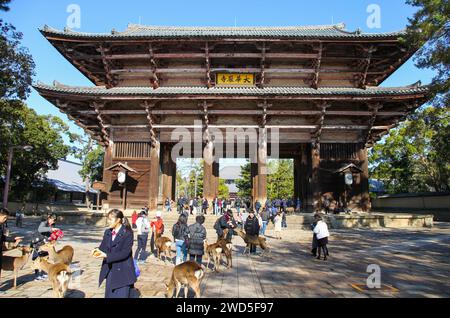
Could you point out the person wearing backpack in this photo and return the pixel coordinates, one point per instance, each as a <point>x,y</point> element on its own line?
<point>180,232</point>
<point>143,228</point>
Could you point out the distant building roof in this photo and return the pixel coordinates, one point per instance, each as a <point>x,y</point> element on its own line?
<point>66,177</point>
<point>230,173</point>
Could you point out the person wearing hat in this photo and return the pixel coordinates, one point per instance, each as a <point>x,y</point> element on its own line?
<point>143,228</point>
<point>226,221</point>
<point>252,227</point>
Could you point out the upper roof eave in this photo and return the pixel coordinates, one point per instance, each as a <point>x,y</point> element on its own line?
<point>133,32</point>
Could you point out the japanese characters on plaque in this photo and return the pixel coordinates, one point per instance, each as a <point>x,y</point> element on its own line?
<point>235,79</point>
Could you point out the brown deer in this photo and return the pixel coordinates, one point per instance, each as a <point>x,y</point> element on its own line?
<point>64,255</point>
<point>226,247</point>
<point>213,251</point>
<point>189,274</point>
<point>253,240</point>
<point>163,245</point>
<point>59,275</point>
<point>14,263</point>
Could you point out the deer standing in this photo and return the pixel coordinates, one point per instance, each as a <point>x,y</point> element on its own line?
<point>189,274</point>
<point>253,240</point>
<point>14,263</point>
<point>64,255</point>
<point>59,275</point>
<point>163,245</point>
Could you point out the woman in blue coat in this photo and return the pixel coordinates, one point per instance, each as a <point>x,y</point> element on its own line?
<point>116,250</point>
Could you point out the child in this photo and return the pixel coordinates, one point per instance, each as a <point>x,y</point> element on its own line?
<point>157,226</point>
<point>277,221</point>
<point>116,249</point>
<point>45,230</point>
<point>322,234</point>
<point>143,227</point>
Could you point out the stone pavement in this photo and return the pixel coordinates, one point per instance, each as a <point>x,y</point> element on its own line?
<point>415,262</point>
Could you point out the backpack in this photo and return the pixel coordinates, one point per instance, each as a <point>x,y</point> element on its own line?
<point>144,229</point>
<point>176,230</point>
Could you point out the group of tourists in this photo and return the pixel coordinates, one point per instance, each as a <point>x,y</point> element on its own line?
<point>120,267</point>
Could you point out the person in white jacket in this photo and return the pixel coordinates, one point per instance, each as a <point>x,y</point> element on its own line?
<point>322,234</point>
<point>143,228</point>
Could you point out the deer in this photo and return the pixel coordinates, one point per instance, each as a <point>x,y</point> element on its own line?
<point>189,274</point>
<point>163,245</point>
<point>253,240</point>
<point>226,247</point>
<point>213,251</point>
<point>64,255</point>
<point>14,263</point>
<point>59,275</point>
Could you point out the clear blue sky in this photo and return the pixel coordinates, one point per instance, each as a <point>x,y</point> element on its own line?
<point>103,16</point>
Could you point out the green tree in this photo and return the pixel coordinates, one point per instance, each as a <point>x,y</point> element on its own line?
<point>223,191</point>
<point>20,125</point>
<point>415,157</point>
<point>91,156</point>
<point>244,183</point>
<point>280,182</point>
<point>16,64</point>
<point>429,30</point>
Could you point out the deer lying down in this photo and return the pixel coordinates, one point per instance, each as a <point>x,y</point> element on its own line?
<point>59,275</point>
<point>14,263</point>
<point>64,255</point>
<point>163,245</point>
<point>189,274</point>
<point>253,240</point>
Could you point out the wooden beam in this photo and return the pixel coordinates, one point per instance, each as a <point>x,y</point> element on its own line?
<point>208,66</point>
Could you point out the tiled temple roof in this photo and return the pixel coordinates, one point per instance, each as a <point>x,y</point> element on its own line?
<point>240,91</point>
<point>135,31</point>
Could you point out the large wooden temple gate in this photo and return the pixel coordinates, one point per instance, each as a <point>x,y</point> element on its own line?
<point>316,87</point>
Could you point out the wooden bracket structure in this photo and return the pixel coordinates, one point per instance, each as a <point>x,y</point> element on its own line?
<point>154,67</point>
<point>322,106</point>
<point>98,106</point>
<point>148,106</point>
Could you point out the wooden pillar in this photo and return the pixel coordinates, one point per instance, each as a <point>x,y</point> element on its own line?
<point>208,178</point>
<point>167,172</point>
<point>174,178</point>
<point>297,178</point>
<point>364,180</point>
<point>215,177</point>
<point>154,177</point>
<point>315,182</point>
<point>107,162</point>
<point>304,176</point>
<point>262,169</point>
<point>254,180</point>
